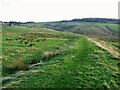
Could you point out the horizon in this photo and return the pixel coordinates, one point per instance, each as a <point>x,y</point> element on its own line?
<point>60,20</point>
<point>56,10</point>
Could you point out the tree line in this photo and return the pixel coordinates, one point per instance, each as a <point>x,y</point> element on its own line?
<point>17,23</point>
<point>99,20</point>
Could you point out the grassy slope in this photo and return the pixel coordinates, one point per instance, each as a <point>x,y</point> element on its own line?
<point>103,31</point>
<point>112,27</point>
<point>15,48</point>
<point>85,28</point>
<point>81,64</point>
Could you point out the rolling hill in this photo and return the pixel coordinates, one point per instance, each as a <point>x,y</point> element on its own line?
<point>36,56</point>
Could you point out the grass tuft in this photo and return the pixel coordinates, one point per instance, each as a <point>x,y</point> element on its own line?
<point>48,54</point>
<point>17,65</point>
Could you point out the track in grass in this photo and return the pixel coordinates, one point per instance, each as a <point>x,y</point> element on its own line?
<point>83,63</point>
<point>67,60</point>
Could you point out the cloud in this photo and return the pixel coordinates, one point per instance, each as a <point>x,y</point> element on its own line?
<point>50,10</point>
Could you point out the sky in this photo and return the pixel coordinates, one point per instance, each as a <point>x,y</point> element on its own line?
<point>55,10</point>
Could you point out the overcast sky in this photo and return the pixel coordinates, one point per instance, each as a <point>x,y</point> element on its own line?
<point>53,10</point>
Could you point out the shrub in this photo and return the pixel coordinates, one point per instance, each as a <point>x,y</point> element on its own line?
<point>17,65</point>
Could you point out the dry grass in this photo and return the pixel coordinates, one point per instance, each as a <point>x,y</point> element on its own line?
<point>48,54</point>
<point>104,46</point>
<point>4,58</point>
<point>17,65</point>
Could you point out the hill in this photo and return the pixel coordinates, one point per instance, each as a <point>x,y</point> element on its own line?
<point>37,57</point>
<point>80,26</point>
<point>96,20</point>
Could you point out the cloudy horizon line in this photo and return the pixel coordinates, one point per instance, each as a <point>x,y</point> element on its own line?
<point>54,20</point>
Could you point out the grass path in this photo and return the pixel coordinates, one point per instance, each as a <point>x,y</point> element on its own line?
<point>72,60</point>
<point>74,69</point>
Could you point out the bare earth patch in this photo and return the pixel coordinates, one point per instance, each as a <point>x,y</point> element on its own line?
<point>103,45</point>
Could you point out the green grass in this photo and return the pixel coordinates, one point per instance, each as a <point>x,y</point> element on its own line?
<point>92,29</point>
<point>103,31</point>
<point>112,27</point>
<point>75,63</point>
<point>83,66</point>
<point>16,44</point>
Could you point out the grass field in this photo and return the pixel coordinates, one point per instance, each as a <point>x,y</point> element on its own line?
<point>102,31</point>
<point>36,57</point>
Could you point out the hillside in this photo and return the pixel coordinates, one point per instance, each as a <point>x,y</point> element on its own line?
<point>37,57</point>
<point>95,20</point>
<point>102,31</point>
<point>86,28</point>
